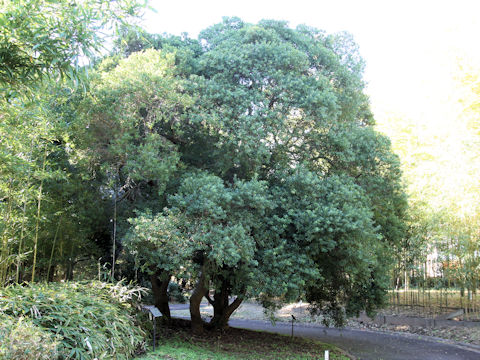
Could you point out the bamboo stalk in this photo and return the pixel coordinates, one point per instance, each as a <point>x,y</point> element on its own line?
<point>114,233</point>
<point>20,244</point>
<point>53,248</point>
<point>5,251</point>
<point>35,242</point>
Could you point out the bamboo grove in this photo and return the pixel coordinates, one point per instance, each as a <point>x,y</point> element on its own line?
<point>440,160</point>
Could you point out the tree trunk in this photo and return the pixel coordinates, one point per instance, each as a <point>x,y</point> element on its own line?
<point>195,300</point>
<point>160,280</point>
<point>222,310</point>
<point>69,270</point>
<point>70,266</point>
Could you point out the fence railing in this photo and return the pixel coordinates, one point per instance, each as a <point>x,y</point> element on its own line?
<point>433,302</point>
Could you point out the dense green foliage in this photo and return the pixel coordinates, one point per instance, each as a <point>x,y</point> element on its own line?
<point>48,216</point>
<point>43,38</point>
<point>45,193</point>
<point>241,164</point>
<point>70,320</point>
<point>22,340</point>
<point>282,188</point>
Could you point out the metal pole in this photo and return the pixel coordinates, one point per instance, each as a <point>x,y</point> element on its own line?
<point>154,331</point>
<point>293,319</point>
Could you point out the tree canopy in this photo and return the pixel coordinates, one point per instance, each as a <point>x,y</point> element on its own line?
<point>282,189</point>
<point>242,164</point>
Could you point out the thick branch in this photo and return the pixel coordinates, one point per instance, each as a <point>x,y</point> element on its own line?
<point>207,296</point>
<point>234,306</point>
<point>195,300</point>
<point>160,291</point>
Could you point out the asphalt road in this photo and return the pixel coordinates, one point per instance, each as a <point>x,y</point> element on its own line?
<point>371,345</point>
<point>368,345</point>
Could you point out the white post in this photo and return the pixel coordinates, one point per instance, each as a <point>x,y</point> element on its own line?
<point>327,355</point>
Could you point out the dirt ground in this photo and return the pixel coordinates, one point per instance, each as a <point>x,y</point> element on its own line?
<point>236,343</point>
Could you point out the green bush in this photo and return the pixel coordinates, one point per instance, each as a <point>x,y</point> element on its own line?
<point>175,293</point>
<point>22,340</point>
<point>83,320</point>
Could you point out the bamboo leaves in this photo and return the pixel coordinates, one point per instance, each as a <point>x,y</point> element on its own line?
<point>43,39</point>
<point>83,321</point>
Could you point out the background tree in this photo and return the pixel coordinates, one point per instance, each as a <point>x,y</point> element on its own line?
<point>127,134</point>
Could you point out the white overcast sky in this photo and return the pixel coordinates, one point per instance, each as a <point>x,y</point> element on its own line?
<point>410,47</point>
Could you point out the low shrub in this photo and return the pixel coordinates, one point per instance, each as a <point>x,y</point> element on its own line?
<point>84,320</point>
<point>175,293</point>
<point>22,340</point>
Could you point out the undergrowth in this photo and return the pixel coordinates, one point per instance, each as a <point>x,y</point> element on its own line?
<point>177,343</point>
<point>69,321</point>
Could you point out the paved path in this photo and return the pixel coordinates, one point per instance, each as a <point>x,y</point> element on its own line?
<point>371,345</point>
<point>368,345</point>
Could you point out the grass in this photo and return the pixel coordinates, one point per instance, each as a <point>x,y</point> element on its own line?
<point>178,343</point>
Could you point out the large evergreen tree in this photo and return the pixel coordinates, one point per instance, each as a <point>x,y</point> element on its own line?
<point>283,189</point>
